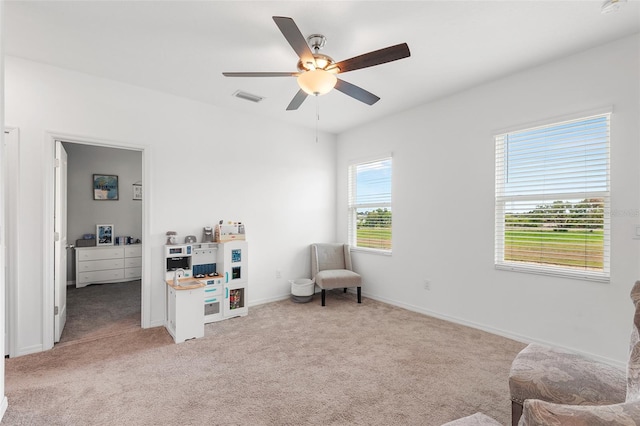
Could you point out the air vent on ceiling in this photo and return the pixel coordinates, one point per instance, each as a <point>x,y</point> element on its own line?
<point>247,96</point>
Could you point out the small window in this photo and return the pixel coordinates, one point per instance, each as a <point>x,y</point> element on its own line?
<point>370,205</point>
<point>552,199</point>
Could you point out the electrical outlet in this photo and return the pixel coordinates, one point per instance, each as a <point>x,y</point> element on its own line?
<point>278,273</point>
<point>427,285</point>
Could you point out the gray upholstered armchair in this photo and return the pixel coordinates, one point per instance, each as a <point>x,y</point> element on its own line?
<point>556,387</point>
<point>331,268</point>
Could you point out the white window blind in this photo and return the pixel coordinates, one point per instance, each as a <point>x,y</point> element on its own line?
<point>370,204</point>
<point>552,199</point>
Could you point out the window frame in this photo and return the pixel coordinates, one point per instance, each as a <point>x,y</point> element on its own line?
<point>501,200</point>
<point>352,206</point>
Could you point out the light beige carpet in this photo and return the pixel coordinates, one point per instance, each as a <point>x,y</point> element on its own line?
<point>283,364</point>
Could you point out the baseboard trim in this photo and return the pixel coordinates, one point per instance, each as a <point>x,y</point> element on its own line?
<point>29,350</point>
<point>269,300</point>
<point>156,324</point>
<point>3,407</point>
<point>499,332</point>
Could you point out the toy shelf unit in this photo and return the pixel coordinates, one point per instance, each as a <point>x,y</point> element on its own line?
<point>229,231</point>
<point>233,265</point>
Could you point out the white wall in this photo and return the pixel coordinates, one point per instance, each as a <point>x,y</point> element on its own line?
<point>206,164</point>
<point>443,205</point>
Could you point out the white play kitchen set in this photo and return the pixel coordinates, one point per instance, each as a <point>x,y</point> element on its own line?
<point>207,281</point>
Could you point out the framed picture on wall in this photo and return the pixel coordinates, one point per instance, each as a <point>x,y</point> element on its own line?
<point>104,235</point>
<point>105,187</point>
<point>137,191</point>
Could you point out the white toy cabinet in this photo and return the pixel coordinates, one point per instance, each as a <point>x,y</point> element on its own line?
<point>184,320</point>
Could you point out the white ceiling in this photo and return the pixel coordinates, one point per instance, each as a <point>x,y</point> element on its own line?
<point>182,47</point>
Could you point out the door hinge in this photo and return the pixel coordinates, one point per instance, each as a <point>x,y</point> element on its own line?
<point>56,236</point>
<point>55,310</point>
<point>56,163</point>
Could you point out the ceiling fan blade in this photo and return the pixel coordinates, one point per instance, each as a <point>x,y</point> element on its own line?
<point>297,100</point>
<point>356,92</point>
<point>295,38</point>
<point>260,74</point>
<point>377,57</point>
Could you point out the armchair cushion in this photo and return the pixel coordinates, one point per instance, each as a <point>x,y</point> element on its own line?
<point>542,413</point>
<point>551,374</point>
<point>337,278</point>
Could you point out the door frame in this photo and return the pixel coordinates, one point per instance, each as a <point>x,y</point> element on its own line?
<point>60,249</point>
<point>12,207</point>
<point>48,227</point>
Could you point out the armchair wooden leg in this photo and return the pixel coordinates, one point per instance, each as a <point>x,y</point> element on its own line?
<point>323,293</point>
<point>359,294</point>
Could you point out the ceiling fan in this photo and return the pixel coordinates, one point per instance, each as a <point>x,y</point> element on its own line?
<point>317,72</point>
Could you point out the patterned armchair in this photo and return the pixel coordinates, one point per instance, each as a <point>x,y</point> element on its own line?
<point>556,387</point>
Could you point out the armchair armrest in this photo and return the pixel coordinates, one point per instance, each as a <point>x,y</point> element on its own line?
<point>541,413</point>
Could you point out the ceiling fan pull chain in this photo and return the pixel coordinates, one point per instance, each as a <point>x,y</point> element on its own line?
<point>317,116</point>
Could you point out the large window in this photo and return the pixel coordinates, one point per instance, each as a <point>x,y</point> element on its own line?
<point>552,199</point>
<point>370,204</point>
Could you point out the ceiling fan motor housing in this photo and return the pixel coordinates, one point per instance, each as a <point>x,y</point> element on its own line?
<point>323,62</point>
<point>316,41</point>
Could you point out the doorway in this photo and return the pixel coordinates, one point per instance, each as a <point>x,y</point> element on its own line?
<point>86,188</point>
<point>103,296</point>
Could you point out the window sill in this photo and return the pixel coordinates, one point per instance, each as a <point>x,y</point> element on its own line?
<point>562,273</point>
<point>372,251</point>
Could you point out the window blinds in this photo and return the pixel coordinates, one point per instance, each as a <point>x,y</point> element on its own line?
<point>552,198</point>
<point>370,216</point>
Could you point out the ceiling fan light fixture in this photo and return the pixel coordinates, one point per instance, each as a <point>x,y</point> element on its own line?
<point>317,82</point>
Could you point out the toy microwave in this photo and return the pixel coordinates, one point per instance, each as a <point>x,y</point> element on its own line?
<point>178,250</point>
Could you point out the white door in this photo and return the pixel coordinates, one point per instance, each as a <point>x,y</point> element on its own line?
<point>60,247</point>
<point>3,224</point>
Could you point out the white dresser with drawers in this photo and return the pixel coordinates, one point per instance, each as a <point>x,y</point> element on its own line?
<point>108,264</point>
